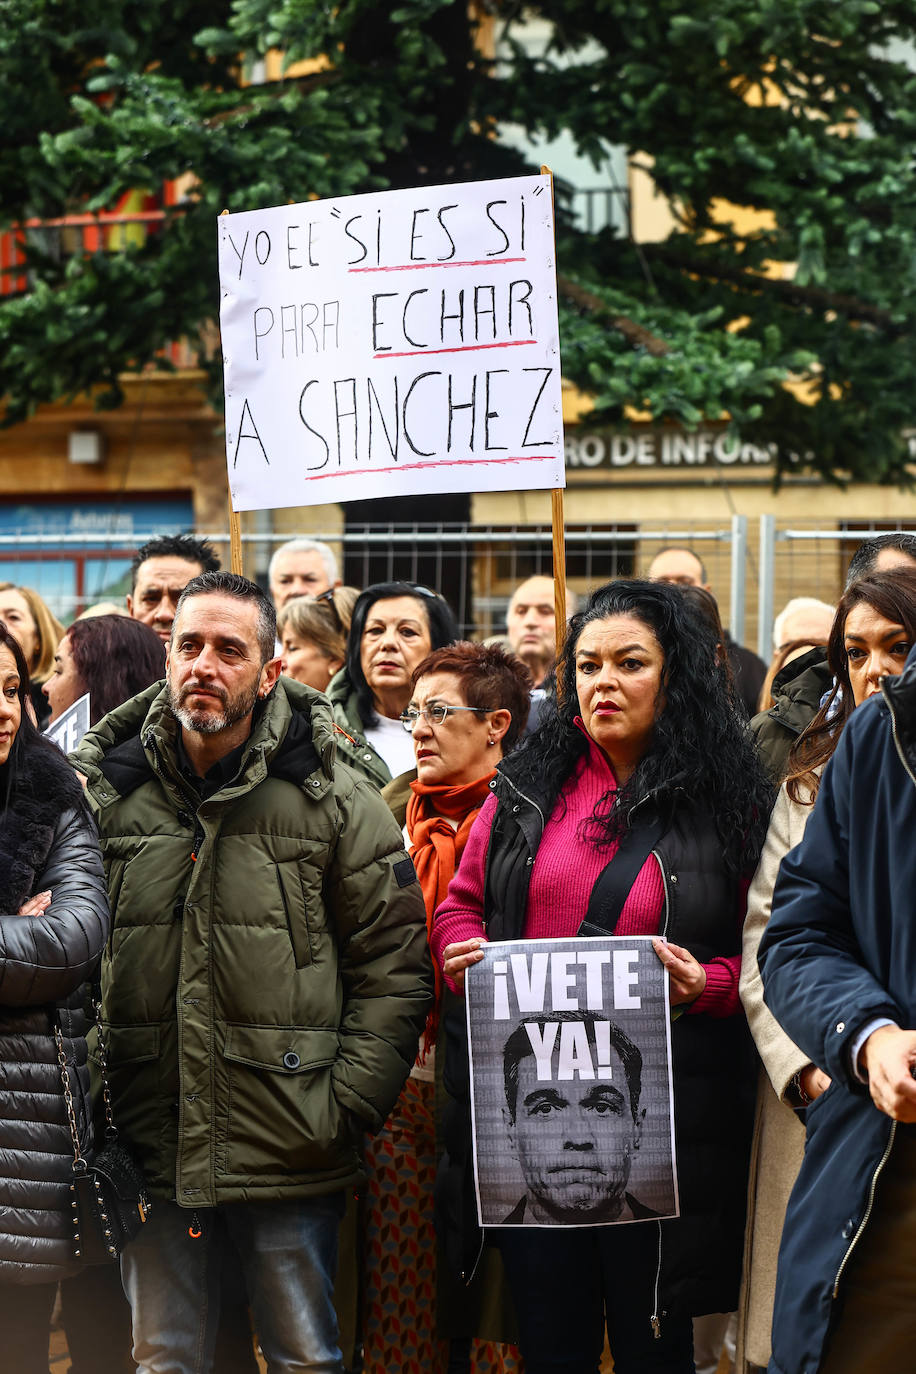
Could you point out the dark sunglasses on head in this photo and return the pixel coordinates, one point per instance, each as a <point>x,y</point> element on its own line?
<point>328,598</point>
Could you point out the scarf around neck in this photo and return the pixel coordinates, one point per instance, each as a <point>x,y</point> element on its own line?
<point>436,847</point>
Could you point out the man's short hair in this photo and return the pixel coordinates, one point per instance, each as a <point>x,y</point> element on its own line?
<point>682,548</point>
<point>174,546</point>
<point>325,552</point>
<point>798,603</point>
<point>863,561</point>
<point>231,584</point>
<point>518,1047</point>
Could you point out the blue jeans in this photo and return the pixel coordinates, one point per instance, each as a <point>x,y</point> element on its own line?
<point>288,1252</point>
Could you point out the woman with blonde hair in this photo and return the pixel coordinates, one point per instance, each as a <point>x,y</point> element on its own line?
<point>37,632</point>
<point>312,631</point>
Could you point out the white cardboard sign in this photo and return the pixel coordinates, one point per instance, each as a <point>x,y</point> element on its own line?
<point>68,729</point>
<point>391,345</point>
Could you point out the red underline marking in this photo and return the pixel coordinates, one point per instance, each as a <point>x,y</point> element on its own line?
<point>442,463</point>
<point>463,348</point>
<point>415,266</point>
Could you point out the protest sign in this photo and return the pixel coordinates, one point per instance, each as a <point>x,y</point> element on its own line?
<point>392,344</point>
<point>68,729</point>
<point>571,1089</point>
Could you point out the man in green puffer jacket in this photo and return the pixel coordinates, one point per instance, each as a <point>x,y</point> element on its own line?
<point>265,983</point>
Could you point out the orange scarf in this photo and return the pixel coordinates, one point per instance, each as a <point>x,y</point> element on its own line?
<point>436,848</point>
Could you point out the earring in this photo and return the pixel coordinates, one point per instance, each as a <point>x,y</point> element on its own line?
<point>491,741</point>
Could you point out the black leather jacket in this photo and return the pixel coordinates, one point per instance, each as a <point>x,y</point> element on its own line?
<point>45,963</point>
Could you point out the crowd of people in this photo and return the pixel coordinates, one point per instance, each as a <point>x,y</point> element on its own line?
<point>297,819</point>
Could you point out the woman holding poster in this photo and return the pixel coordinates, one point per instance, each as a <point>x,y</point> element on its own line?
<point>646,763</point>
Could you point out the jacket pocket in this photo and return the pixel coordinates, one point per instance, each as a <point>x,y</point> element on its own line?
<point>296,914</point>
<point>812,1109</point>
<point>132,1054</point>
<point>283,1117</point>
<point>130,1044</point>
<point>278,1050</point>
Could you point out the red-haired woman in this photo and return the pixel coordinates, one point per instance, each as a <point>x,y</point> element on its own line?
<point>109,656</point>
<point>468,706</point>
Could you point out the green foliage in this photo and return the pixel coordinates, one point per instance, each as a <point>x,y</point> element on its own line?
<point>802,113</point>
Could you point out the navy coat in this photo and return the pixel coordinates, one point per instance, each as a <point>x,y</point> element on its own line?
<point>839,951</point>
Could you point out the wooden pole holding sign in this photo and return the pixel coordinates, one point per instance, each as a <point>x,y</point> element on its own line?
<point>559,534</point>
<point>235,540</point>
<point>235,524</point>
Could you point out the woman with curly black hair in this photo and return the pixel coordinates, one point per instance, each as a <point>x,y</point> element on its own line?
<point>645,759</point>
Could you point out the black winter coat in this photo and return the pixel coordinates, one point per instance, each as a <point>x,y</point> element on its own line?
<point>713,1058</point>
<point>839,951</point>
<point>47,841</point>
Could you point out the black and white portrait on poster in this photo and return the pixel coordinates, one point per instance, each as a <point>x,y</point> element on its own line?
<point>571,1091</point>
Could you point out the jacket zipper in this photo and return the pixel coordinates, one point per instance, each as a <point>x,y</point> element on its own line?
<point>658,859</point>
<point>468,1279</point>
<point>655,1320</point>
<point>897,745</point>
<point>518,791</point>
<point>868,1209</point>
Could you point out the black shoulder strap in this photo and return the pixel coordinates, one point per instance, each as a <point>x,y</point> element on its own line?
<point>613,884</point>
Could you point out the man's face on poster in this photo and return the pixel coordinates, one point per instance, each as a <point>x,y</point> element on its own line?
<point>575,1140</point>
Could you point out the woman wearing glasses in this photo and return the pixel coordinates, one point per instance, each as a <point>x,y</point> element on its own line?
<point>394,625</point>
<point>468,705</point>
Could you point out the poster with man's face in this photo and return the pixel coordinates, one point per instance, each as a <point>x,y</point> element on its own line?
<point>571,1092</point>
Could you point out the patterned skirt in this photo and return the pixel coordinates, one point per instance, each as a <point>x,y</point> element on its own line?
<point>400,1334</point>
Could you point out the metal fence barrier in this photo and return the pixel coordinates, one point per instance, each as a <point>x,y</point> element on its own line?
<point>810,561</point>
<point>476,567</point>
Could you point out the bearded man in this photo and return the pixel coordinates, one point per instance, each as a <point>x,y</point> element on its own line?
<point>264,987</point>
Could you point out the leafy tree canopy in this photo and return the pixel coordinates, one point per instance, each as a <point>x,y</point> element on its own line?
<point>800,113</point>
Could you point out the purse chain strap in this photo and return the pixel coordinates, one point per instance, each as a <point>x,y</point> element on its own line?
<point>79,1161</point>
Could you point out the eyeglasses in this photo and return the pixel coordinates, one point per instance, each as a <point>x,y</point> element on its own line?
<point>328,598</point>
<point>435,715</point>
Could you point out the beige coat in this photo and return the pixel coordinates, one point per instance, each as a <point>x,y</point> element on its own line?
<point>779,1136</point>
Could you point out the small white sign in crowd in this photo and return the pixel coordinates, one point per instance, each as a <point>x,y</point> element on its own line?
<point>68,729</point>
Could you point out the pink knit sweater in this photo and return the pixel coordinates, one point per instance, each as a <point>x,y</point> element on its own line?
<point>562,879</point>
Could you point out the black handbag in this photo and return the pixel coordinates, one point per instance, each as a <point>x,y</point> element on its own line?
<point>108,1197</point>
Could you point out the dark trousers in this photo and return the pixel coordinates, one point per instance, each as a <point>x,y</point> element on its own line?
<point>568,1284</point>
<point>96,1317</point>
<point>25,1326</point>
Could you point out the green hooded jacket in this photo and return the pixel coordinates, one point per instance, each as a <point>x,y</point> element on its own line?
<point>267,976</point>
<point>797,692</point>
<point>352,742</point>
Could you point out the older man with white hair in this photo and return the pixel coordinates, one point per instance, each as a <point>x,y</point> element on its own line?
<point>301,567</point>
